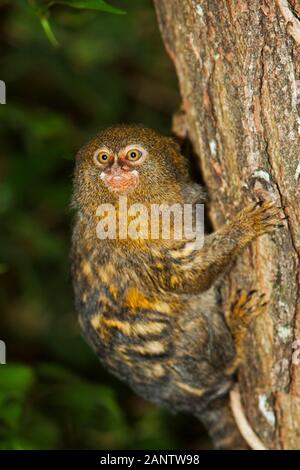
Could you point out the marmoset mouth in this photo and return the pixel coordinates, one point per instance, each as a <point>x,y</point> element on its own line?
<point>121,181</point>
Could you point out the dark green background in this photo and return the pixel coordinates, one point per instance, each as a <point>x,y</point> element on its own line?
<point>108,69</point>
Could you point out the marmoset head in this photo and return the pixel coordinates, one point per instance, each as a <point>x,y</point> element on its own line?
<point>129,160</point>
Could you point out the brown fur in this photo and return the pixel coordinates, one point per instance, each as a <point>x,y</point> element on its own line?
<point>151,310</point>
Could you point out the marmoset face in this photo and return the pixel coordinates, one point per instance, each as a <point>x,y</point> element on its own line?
<point>120,169</point>
<point>129,160</point>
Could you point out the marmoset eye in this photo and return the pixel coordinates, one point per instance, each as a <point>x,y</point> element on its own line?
<point>134,155</point>
<point>101,157</point>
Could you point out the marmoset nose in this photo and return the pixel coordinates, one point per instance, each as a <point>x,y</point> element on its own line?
<point>118,169</point>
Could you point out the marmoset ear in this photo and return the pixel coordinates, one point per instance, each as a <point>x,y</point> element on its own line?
<point>173,152</point>
<point>171,141</point>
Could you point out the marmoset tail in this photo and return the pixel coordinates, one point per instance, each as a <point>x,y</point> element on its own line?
<point>149,305</point>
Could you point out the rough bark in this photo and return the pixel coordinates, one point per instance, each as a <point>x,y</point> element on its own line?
<point>237,63</point>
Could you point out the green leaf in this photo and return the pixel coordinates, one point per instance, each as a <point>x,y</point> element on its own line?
<point>99,5</point>
<point>48,31</point>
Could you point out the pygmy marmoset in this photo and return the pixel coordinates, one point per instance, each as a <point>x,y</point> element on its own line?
<point>150,308</point>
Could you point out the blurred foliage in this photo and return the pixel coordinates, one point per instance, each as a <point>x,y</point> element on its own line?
<point>42,9</point>
<point>109,68</point>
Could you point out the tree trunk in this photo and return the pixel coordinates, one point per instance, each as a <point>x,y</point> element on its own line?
<point>237,63</point>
